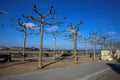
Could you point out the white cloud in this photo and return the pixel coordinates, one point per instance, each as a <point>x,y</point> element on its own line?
<point>52,28</point>
<point>79,33</point>
<point>2,12</point>
<point>30,25</point>
<point>71,30</point>
<point>112,32</point>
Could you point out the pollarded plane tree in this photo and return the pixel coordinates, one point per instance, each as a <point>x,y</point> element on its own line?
<point>110,43</point>
<point>23,28</point>
<point>100,43</point>
<point>116,44</point>
<point>94,40</point>
<point>74,30</point>
<point>42,19</point>
<point>104,38</point>
<point>54,34</point>
<point>86,41</point>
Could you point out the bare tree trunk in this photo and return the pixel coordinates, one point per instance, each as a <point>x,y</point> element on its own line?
<point>75,46</point>
<point>94,47</point>
<point>111,45</point>
<point>105,47</point>
<point>41,42</point>
<point>54,43</point>
<point>86,49</point>
<point>24,45</point>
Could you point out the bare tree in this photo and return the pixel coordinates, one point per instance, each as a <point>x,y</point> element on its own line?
<point>74,30</point>
<point>94,39</point>
<point>100,43</point>
<point>116,44</point>
<point>104,39</point>
<point>23,28</point>
<point>55,33</point>
<point>86,41</point>
<point>42,21</point>
<point>110,42</point>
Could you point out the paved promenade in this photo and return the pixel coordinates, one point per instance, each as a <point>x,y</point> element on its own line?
<point>90,71</point>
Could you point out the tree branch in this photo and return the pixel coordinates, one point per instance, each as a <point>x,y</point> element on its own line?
<point>49,12</point>
<point>35,10</point>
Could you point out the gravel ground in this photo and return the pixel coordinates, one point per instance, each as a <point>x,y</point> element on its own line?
<point>19,67</point>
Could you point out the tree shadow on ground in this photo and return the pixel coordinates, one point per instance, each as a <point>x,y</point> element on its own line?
<point>115,67</point>
<point>13,63</point>
<point>52,62</point>
<point>18,62</point>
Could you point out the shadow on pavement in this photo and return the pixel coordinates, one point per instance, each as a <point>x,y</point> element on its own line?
<point>115,67</point>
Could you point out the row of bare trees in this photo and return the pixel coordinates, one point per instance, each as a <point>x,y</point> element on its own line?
<point>100,41</point>
<point>72,32</point>
<point>43,21</point>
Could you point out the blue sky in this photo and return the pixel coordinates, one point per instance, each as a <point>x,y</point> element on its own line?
<point>97,15</point>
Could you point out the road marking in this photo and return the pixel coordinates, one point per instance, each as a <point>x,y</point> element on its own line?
<point>94,74</point>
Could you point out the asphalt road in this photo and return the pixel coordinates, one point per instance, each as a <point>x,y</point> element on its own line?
<point>90,71</point>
